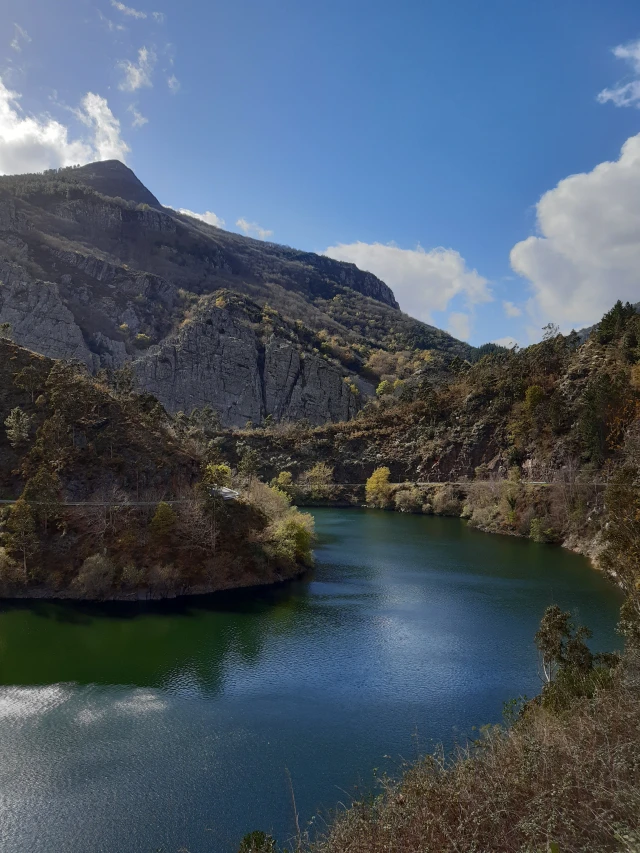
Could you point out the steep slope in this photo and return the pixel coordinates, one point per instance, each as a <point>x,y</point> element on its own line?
<point>94,269</point>
<point>115,500</point>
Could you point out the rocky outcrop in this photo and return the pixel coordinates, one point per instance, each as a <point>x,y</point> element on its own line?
<point>219,359</point>
<point>39,319</point>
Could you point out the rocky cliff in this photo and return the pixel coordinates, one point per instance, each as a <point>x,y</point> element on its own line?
<point>94,269</point>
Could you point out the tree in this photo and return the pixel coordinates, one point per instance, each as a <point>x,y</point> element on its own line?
<point>562,645</point>
<point>257,842</point>
<point>385,387</point>
<point>378,488</point>
<point>29,379</point>
<point>284,483</point>
<point>621,554</point>
<point>217,475</point>
<point>163,522</point>
<point>613,324</point>
<point>18,424</point>
<point>248,464</point>
<point>5,331</point>
<point>319,481</point>
<point>42,491</point>
<point>21,527</point>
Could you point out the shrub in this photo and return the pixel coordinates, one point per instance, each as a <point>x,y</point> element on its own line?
<point>95,578</point>
<point>408,500</point>
<point>142,341</point>
<point>447,502</point>
<point>132,577</point>
<point>291,539</point>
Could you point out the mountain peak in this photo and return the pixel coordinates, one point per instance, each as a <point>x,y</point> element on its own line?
<point>113,178</point>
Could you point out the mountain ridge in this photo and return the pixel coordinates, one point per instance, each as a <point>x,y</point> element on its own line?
<point>107,279</point>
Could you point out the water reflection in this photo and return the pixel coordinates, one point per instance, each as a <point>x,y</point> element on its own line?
<point>144,644</point>
<point>172,724</point>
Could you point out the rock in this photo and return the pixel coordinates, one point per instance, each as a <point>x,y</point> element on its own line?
<point>217,359</point>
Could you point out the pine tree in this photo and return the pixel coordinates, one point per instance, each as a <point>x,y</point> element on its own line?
<point>18,424</point>
<point>163,522</point>
<point>21,527</point>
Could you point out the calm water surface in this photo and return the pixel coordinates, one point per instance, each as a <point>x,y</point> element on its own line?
<point>132,729</point>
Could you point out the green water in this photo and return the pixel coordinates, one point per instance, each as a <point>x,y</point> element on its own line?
<point>175,726</point>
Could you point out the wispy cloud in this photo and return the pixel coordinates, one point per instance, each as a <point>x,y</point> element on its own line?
<point>109,24</point>
<point>20,38</point>
<point>173,83</point>
<point>252,229</point>
<point>625,94</point>
<point>128,10</point>
<point>137,76</point>
<point>511,310</point>
<point>158,17</point>
<point>138,120</point>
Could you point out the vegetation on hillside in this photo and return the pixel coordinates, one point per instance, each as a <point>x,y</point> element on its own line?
<point>116,499</point>
<point>523,441</point>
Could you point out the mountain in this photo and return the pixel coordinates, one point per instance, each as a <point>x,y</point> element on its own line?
<point>94,269</point>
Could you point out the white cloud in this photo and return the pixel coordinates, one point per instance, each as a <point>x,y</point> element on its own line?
<point>253,229</point>
<point>20,37</point>
<point>625,94</point>
<point>459,325</point>
<point>34,143</point>
<point>173,83</point>
<point>507,342</point>
<point>137,76</point>
<point>127,10</point>
<point>159,17</point>
<point>107,142</point>
<point>511,310</point>
<point>422,281</point>
<point>208,217</point>
<point>588,253</point>
<point>138,119</point>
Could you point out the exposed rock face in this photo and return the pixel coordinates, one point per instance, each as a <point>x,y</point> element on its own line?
<point>93,268</point>
<point>219,357</point>
<point>39,319</point>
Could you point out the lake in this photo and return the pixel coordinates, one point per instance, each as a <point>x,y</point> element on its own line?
<point>177,726</point>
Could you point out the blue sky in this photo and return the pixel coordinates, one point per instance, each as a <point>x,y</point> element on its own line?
<point>415,138</point>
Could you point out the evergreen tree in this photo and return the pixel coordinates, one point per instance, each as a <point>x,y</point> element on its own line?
<point>163,522</point>
<point>18,424</point>
<point>21,527</point>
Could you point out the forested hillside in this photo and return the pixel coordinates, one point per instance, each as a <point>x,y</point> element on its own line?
<point>113,499</point>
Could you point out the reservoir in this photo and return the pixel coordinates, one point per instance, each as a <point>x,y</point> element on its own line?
<point>180,726</point>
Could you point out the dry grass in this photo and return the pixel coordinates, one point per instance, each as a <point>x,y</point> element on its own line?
<point>568,783</point>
